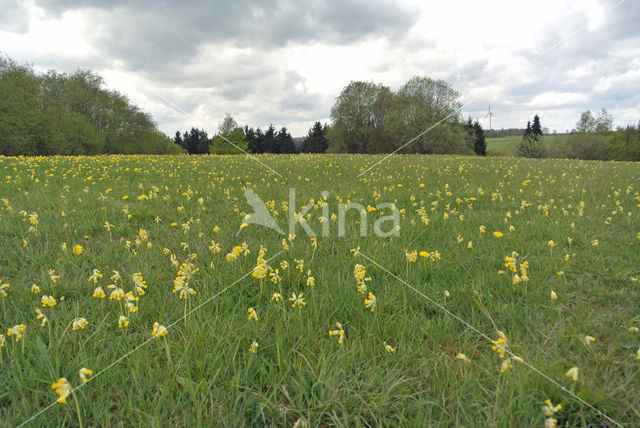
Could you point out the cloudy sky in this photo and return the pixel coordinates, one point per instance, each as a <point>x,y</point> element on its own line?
<point>284,62</point>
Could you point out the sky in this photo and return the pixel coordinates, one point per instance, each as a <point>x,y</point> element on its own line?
<point>284,62</point>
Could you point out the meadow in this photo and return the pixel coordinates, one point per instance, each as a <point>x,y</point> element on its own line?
<point>506,146</point>
<point>131,295</point>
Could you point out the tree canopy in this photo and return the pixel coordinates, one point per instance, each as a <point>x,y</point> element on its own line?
<point>70,114</point>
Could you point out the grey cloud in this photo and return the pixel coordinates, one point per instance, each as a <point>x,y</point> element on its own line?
<point>149,34</point>
<point>14,16</point>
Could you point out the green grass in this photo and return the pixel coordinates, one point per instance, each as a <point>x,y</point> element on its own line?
<point>506,146</point>
<point>299,371</point>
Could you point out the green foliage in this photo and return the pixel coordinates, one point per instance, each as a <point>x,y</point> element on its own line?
<point>316,140</point>
<point>221,145</point>
<point>57,113</point>
<point>369,118</point>
<point>531,146</point>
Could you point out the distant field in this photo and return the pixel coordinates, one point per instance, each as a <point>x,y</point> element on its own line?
<point>506,146</point>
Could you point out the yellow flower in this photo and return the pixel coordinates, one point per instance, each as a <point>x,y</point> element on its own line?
<point>588,340</point>
<point>4,287</point>
<point>370,302</point>
<point>483,229</point>
<point>252,314</point>
<point>98,293</point>
<point>276,297</point>
<point>498,234</point>
<point>53,276</point>
<point>41,317</point>
<point>16,331</point>
<point>549,409</point>
<point>464,358</point>
<point>297,300</point>
<point>95,275</point>
<point>254,348</point>
<point>84,372</point>
<point>389,348</point>
<point>159,330</point>
<point>553,296</point>
<point>411,256</point>
<point>35,289</point>
<point>572,374</point>
<point>551,244</point>
<point>123,321</point>
<point>595,242</point>
<point>48,301</point>
<point>311,281</point>
<point>470,245</point>
<point>117,293</point>
<point>338,332</point>
<point>63,388</point>
<point>633,330</point>
<point>77,249</point>
<point>79,323</point>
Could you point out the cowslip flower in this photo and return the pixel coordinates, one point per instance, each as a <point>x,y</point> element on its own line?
<point>62,387</point>
<point>572,374</point>
<point>588,340</point>
<point>40,316</point>
<point>77,249</point>
<point>17,331</point>
<point>253,315</point>
<point>98,293</point>
<point>95,276</point>
<point>159,330</point>
<point>389,348</point>
<point>549,409</point>
<point>52,275</point>
<point>297,300</point>
<point>633,329</point>
<point>463,357</point>
<point>370,302</point>
<point>84,373</point>
<point>35,289</point>
<point>276,297</point>
<point>123,321</point>
<point>48,301</point>
<point>254,348</point>
<point>140,283</point>
<point>311,281</point>
<point>553,295</point>
<point>79,323</point>
<point>411,256</point>
<point>4,287</point>
<point>338,332</point>
<point>117,293</point>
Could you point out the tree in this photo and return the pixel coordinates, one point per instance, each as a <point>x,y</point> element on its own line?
<point>316,140</point>
<point>231,139</point>
<point>70,114</point>
<point>269,140</point>
<point>284,142</point>
<point>531,145</point>
<point>603,122</point>
<point>479,142</point>
<point>359,117</point>
<point>536,129</point>
<point>227,126</point>
<point>586,123</point>
<point>196,141</point>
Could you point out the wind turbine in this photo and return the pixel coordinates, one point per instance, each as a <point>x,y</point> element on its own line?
<point>490,116</point>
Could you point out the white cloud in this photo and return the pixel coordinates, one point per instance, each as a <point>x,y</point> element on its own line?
<point>285,63</point>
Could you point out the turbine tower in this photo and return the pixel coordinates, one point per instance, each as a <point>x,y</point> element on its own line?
<point>490,116</point>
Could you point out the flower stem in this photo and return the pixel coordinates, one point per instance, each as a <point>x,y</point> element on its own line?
<point>75,399</point>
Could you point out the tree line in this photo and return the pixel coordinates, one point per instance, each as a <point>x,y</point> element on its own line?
<point>593,138</point>
<point>70,114</point>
